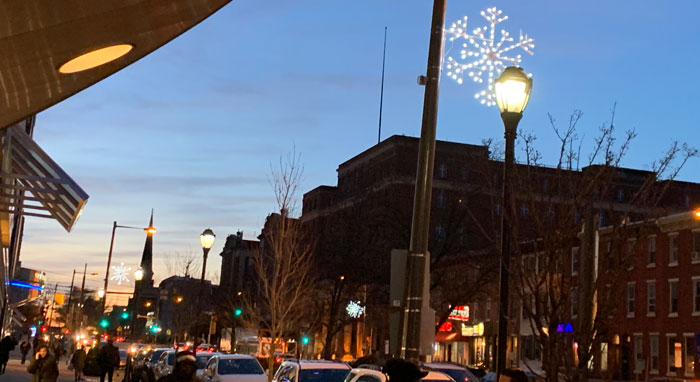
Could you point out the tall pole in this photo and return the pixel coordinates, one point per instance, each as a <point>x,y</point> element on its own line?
<point>381,92</point>
<point>510,121</point>
<point>70,300</point>
<point>201,282</point>
<point>109,263</point>
<point>418,255</point>
<point>82,294</point>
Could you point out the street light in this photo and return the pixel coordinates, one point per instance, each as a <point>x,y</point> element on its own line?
<point>138,274</point>
<point>101,293</point>
<point>512,89</point>
<point>207,239</point>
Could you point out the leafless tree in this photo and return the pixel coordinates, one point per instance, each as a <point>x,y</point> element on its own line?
<point>183,263</point>
<point>283,263</point>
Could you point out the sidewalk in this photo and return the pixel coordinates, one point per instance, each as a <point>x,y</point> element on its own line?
<point>16,372</point>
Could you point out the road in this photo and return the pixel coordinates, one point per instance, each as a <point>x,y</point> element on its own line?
<point>16,372</point>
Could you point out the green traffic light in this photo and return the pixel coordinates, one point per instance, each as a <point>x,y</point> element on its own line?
<point>104,323</point>
<point>125,315</point>
<point>155,329</point>
<point>305,340</point>
<point>238,312</point>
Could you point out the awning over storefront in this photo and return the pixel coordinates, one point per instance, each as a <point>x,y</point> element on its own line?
<point>48,191</point>
<point>37,37</point>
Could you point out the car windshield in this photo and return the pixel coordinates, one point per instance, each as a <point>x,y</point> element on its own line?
<point>202,361</point>
<point>156,354</point>
<point>456,374</point>
<point>323,375</point>
<point>239,366</point>
<point>171,358</point>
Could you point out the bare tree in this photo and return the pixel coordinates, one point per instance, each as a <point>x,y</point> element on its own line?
<point>283,263</point>
<point>183,263</point>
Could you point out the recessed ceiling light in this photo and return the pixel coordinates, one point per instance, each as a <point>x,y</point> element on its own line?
<point>95,58</point>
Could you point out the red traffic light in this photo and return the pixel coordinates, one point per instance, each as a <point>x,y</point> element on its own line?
<point>44,329</point>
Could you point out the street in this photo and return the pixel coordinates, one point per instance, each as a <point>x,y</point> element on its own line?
<point>16,372</point>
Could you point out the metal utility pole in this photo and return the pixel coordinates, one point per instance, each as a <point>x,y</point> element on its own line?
<point>418,255</point>
<point>109,264</point>
<point>82,294</point>
<point>70,300</point>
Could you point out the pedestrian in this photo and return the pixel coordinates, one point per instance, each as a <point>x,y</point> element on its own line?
<point>400,370</point>
<point>77,360</point>
<point>185,369</point>
<point>108,359</point>
<point>58,350</point>
<point>43,367</point>
<point>24,348</point>
<point>7,344</point>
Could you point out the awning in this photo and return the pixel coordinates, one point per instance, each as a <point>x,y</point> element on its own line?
<point>38,36</point>
<point>49,191</point>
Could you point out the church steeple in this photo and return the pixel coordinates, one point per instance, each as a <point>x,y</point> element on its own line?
<point>147,257</point>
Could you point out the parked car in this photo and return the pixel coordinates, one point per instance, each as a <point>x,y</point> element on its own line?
<point>311,371</point>
<point>233,367</point>
<point>370,375</point>
<point>155,355</point>
<point>202,361</point>
<point>165,363</point>
<point>458,372</point>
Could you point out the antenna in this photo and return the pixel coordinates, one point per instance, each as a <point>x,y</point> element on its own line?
<point>381,94</point>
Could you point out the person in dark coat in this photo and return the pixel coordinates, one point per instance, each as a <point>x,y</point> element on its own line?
<point>400,370</point>
<point>77,360</point>
<point>6,346</point>
<point>43,367</point>
<point>108,360</point>
<point>24,347</point>
<point>185,369</point>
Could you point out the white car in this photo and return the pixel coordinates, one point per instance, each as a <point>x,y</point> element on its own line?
<point>457,372</point>
<point>369,375</point>
<point>233,367</point>
<point>165,363</point>
<point>202,361</point>
<point>311,371</point>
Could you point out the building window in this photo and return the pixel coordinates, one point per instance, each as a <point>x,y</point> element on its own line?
<point>574,260</point>
<point>603,356</point>
<point>574,302</point>
<point>639,358</point>
<point>651,258</point>
<point>673,249</point>
<point>651,298</point>
<point>465,174</point>
<point>577,217</point>
<point>673,298</point>
<point>654,353</point>
<point>523,210</point>
<point>620,195</point>
<point>695,253</point>
<point>497,209</point>
<point>488,310</point>
<point>440,199</point>
<point>675,355</point>
<point>442,171</point>
<point>630,299</point>
<point>696,296</point>
<point>689,356</point>
<point>602,219</point>
<point>440,233</point>
<point>545,185</point>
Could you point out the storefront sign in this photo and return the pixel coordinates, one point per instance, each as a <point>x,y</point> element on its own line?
<point>446,327</point>
<point>460,313</point>
<point>473,330</point>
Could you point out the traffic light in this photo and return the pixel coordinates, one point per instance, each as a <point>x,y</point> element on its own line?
<point>104,323</point>
<point>237,312</point>
<point>305,340</point>
<point>155,328</point>
<point>125,315</point>
<point>44,328</point>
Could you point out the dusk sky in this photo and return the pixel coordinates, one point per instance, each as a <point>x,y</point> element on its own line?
<point>192,129</point>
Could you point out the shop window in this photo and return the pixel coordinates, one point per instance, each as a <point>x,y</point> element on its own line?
<point>673,249</point>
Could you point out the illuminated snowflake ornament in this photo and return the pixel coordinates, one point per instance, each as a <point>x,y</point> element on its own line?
<point>121,274</point>
<point>354,309</point>
<point>482,56</point>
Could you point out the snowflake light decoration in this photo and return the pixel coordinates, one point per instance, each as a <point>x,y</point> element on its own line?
<point>354,309</point>
<point>121,274</point>
<point>481,55</point>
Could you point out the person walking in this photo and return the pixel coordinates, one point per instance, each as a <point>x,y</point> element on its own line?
<point>6,346</point>
<point>24,347</point>
<point>77,360</point>
<point>43,367</point>
<point>185,369</point>
<point>108,360</point>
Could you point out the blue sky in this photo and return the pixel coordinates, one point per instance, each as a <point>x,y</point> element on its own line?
<point>192,129</point>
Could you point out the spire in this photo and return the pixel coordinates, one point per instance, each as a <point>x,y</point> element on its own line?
<point>147,257</point>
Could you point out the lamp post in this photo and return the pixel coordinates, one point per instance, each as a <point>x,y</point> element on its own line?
<point>512,89</point>
<point>149,229</point>
<point>207,239</point>
<point>138,276</point>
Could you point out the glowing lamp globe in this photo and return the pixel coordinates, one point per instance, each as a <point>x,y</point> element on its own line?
<point>101,293</point>
<point>138,274</point>
<point>207,238</point>
<point>512,89</point>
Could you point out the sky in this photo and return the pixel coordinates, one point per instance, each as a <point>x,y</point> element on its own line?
<point>193,129</point>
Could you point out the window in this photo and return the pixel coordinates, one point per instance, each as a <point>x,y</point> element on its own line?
<point>675,355</point>
<point>630,299</point>
<point>442,171</point>
<point>696,296</point>
<point>465,174</point>
<point>574,260</point>
<point>673,249</point>
<point>654,353</point>
<point>620,195</point>
<point>440,199</point>
<point>488,310</point>
<point>574,302</point>
<point>673,298</point>
<point>639,358</point>
<point>696,241</point>
<point>497,209</point>
<point>651,259</point>
<point>651,298</point>
<point>689,356</point>
<point>577,217</point>
<point>440,233</point>
<point>603,356</point>
<point>602,219</point>
<point>523,210</point>
<point>545,185</point>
